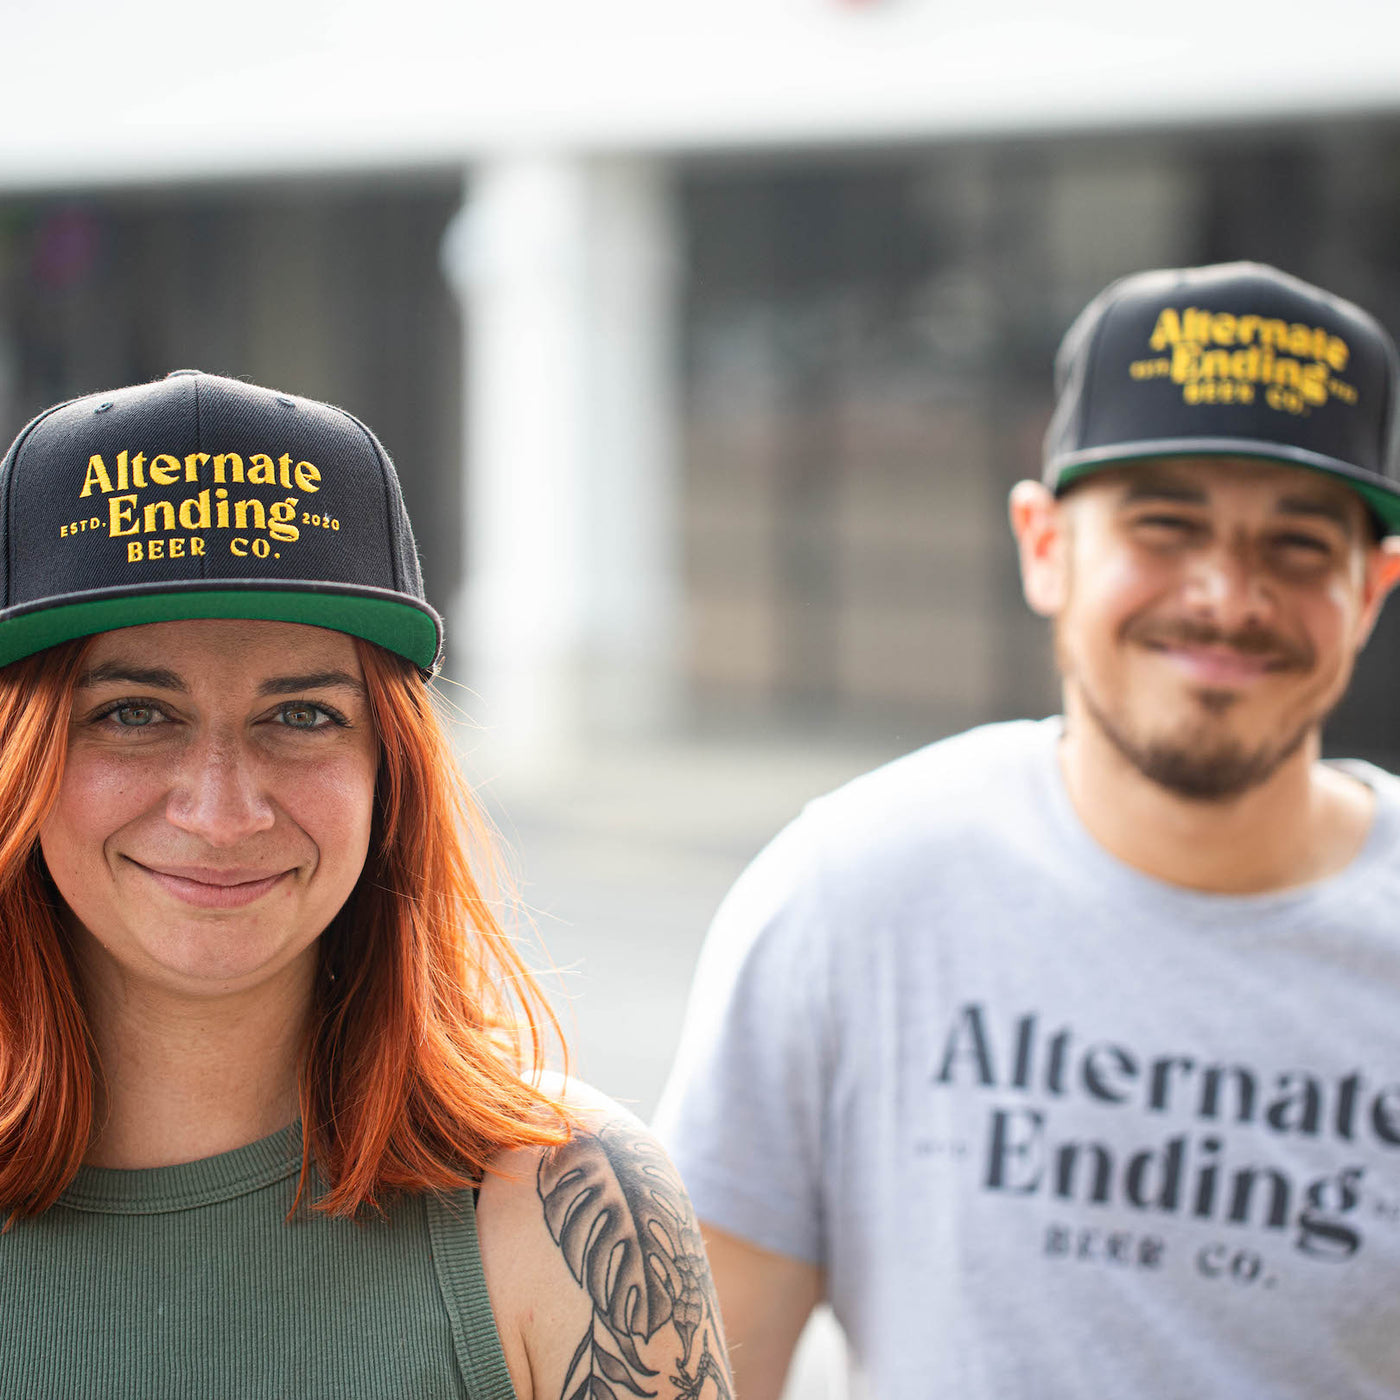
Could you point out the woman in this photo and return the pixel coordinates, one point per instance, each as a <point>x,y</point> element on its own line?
<point>271,1114</point>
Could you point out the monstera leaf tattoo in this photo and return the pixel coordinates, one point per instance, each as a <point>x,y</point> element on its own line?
<point>617,1211</point>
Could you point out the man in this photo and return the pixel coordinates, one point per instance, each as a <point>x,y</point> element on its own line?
<point>1063,1058</point>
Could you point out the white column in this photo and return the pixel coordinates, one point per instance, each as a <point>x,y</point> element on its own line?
<point>632,510</point>
<point>567,619</point>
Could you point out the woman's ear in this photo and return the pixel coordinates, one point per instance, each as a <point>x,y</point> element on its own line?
<point>1042,540</point>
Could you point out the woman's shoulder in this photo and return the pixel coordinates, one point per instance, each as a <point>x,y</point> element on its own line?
<point>594,1263</point>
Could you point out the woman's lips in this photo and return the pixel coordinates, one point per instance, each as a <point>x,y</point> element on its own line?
<point>213,889</point>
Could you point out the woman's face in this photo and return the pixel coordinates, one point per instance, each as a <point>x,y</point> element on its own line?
<point>216,800</point>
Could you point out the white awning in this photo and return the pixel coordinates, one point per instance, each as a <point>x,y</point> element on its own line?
<point>148,90</point>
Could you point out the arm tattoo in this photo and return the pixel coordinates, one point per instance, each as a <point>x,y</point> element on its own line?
<point>617,1210</point>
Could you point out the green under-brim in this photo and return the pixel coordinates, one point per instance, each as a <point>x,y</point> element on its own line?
<point>1382,498</point>
<point>399,627</point>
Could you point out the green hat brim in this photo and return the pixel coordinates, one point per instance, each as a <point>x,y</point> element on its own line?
<point>411,630</point>
<point>1381,496</point>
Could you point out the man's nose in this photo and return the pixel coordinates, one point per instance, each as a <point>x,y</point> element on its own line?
<point>218,795</point>
<point>1226,585</point>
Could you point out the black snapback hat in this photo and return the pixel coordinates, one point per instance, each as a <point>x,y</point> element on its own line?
<point>199,497</point>
<point>1235,360</point>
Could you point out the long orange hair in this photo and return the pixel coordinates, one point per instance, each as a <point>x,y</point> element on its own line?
<point>426,1028</point>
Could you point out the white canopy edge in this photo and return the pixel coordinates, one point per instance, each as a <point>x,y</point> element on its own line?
<point>145,92</point>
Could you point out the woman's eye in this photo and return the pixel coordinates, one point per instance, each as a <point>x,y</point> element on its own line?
<point>300,714</point>
<point>135,716</point>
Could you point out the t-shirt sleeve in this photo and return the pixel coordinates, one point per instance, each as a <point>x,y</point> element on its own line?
<point>743,1113</point>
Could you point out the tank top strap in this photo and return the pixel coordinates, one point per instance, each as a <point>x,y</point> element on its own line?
<point>457,1259</point>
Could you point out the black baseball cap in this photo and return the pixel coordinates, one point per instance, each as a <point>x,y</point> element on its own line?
<point>198,496</point>
<point>1237,360</point>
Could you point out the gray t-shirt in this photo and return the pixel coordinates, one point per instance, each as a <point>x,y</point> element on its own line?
<point>1052,1127</point>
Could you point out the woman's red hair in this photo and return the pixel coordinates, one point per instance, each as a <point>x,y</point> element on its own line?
<point>426,1028</point>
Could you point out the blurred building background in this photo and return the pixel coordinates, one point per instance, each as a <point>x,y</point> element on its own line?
<point>708,339</point>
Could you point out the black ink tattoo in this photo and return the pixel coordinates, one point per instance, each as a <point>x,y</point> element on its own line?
<point>617,1210</point>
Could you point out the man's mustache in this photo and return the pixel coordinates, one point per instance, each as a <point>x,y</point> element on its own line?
<point>1247,641</point>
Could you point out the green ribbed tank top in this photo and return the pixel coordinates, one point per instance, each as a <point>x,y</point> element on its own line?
<point>187,1281</point>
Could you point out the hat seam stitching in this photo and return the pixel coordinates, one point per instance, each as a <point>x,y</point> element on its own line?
<point>379,454</point>
<point>16,451</point>
<point>199,447</point>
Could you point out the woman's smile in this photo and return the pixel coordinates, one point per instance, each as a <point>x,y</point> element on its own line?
<point>208,888</point>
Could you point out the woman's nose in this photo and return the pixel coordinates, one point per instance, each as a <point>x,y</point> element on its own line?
<point>217,794</point>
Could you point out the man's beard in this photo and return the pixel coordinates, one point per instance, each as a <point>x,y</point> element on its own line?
<point>1197,763</point>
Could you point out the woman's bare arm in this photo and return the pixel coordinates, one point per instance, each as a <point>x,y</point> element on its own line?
<point>597,1272</point>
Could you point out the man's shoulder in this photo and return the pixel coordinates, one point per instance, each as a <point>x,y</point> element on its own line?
<point>952,785</point>
<point>931,818</point>
<point>954,804</point>
<point>1383,783</point>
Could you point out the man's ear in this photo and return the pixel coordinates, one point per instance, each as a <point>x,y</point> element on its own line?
<point>1042,541</point>
<point>1382,574</point>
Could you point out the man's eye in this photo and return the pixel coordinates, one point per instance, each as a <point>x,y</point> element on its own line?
<point>1303,544</point>
<point>1171,525</point>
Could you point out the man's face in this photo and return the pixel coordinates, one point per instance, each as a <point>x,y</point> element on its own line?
<point>1208,612</point>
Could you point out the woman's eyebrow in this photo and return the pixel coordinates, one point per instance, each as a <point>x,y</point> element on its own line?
<point>311,680</point>
<point>154,677</point>
<point>160,678</point>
